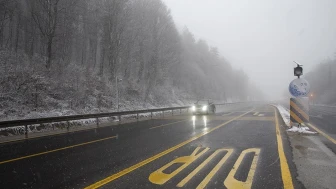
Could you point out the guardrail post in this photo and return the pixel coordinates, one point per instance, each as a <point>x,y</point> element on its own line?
<point>97,121</point>
<point>119,117</point>
<point>180,111</point>
<point>151,115</point>
<point>68,126</point>
<point>26,131</point>
<point>172,112</point>
<point>162,113</point>
<point>137,116</point>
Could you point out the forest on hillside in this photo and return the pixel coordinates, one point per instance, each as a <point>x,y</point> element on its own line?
<point>73,56</point>
<point>322,81</point>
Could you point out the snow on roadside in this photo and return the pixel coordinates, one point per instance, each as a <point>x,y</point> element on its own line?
<point>302,129</point>
<point>37,128</point>
<point>284,112</point>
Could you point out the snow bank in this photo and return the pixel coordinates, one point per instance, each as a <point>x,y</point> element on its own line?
<point>302,129</point>
<point>284,112</point>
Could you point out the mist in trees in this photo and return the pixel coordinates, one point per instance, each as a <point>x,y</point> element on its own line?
<point>67,54</point>
<point>322,81</point>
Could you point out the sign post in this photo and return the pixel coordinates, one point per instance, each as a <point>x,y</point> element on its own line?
<point>299,87</point>
<point>299,105</point>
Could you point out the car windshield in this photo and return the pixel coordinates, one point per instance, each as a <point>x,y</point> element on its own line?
<point>202,102</point>
<point>168,94</point>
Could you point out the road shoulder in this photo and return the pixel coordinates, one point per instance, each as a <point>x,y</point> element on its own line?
<point>316,164</point>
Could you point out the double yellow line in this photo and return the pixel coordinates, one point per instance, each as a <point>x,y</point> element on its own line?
<point>285,171</point>
<point>144,162</point>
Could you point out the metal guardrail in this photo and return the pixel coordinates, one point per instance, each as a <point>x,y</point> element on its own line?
<point>27,122</point>
<point>67,119</point>
<point>23,122</point>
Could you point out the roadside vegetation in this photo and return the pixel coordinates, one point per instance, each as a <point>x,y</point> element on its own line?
<point>323,82</point>
<point>64,56</point>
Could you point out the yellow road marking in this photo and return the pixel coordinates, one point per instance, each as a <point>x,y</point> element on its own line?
<point>256,113</point>
<point>285,173</point>
<point>159,177</point>
<point>167,124</point>
<point>207,179</point>
<point>201,166</point>
<point>322,133</point>
<point>146,161</point>
<point>231,182</point>
<point>59,149</point>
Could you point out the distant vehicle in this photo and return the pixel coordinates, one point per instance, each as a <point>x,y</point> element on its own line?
<point>203,107</point>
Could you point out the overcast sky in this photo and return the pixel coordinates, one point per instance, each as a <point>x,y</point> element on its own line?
<point>263,37</point>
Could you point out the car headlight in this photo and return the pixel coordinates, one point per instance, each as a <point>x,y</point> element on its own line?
<point>193,108</point>
<point>204,108</point>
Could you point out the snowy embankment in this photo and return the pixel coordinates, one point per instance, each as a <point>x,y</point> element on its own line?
<point>284,112</point>
<point>302,129</point>
<point>38,128</point>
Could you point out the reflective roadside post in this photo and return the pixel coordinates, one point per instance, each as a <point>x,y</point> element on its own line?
<point>299,103</point>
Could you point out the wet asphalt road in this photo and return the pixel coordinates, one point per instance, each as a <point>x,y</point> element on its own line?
<point>232,149</point>
<point>326,124</point>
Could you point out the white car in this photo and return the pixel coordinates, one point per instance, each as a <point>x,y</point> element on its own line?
<point>203,107</point>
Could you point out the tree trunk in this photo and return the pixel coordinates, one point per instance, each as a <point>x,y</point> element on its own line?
<point>32,42</point>
<point>101,70</point>
<point>49,52</point>
<point>18,32</point>
<point>10,31</point>
<point>142,63</point>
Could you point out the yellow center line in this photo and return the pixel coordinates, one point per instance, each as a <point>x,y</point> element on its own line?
<point>285,172</point>
<point>322,133</point>
<point>58,149</point>
<point>146,161</point>
<point>168,124</point>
